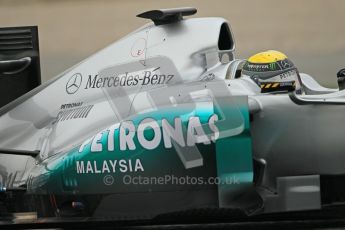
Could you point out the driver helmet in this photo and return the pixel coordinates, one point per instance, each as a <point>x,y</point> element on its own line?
<point>272,71</point>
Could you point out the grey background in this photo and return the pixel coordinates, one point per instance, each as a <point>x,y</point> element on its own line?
<point>310,32</point>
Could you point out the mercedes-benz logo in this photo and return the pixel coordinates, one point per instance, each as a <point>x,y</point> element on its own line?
<point>74,83</point>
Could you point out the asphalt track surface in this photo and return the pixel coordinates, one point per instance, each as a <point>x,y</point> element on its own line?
<point>330,218</point>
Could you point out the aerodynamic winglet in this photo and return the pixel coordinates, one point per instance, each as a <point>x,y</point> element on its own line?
<point>167,16</point>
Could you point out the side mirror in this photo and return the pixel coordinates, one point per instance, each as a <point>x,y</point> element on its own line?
<point>341,79</point>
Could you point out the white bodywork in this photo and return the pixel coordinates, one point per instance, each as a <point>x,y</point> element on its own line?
<point>32,121</point>
<point>29,122</point>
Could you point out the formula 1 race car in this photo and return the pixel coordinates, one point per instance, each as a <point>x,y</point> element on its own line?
<point>162,122</point>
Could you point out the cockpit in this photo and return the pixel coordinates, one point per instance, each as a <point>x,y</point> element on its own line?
<point>312,92</point>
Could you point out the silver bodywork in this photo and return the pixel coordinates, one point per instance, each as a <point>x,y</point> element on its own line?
<point>292,140</point>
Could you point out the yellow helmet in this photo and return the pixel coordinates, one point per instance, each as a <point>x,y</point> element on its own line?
<point>272,71</point>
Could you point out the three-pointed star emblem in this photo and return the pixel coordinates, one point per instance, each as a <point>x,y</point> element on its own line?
<point>74,83</point>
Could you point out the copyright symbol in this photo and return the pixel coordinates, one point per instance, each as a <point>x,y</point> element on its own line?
<point>108,180</point>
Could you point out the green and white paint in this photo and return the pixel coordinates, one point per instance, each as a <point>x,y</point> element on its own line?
<point>153,144</point>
